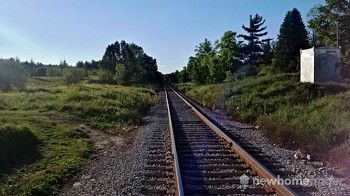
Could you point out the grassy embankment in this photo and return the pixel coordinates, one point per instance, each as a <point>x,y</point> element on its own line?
<point>297,115</point>
<point>40,141</point>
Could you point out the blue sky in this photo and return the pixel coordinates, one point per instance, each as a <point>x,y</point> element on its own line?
<point>52,30</point>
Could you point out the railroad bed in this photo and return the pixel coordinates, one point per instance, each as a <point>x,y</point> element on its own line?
<point>193,157</point>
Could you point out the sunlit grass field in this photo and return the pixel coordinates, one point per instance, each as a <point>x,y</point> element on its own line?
<point>40,140</point>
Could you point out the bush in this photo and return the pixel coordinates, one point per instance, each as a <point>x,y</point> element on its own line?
<point>104,76</point>
<point>246,71</point>
<point>17,146</point>
<point>208,94</point>
<point>12,75</point>
<point>185,87</point>
<point>53,71</point>
<point>266,70</point>
<point>317,126</point>
<point>73,75</point>
<point>109,106</point>
<point>290,111</point>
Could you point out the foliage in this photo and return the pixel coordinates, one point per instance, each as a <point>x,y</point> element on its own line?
<point>55,149</point>
<point>245,72</point>
<point>316,126</point>
<point>73,75</point>
<point>35,69</point>
<point>12,75</point>
<point>288,110</point>
<point>211,63</point>
<point>121,74</point>
<point>88,65</point>
<point>51,112</point>
<point>17,147</point>
<point>106,106</point>
<point>185,87</point>
<point>266,70</point>
<point>182,76</point>
<point>292,37</point>
<point>198,65</point>
<point>138,66</point>
<point>63,64</point>
<point>267,55</point>
<point>208,94</point>
<point>227,58</point>
<point>253,50</point>
<point>53,71</point>
<point>324,19</point>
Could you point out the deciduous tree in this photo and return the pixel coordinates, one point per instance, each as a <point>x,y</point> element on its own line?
<point>324,19</point>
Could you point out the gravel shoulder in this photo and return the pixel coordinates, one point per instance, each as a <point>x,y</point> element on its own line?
<point>326,179</point>
<point>118,164</point>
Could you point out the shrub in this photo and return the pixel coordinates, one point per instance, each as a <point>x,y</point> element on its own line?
<point>208,94</point>
<point>246,71</point>
<point>266,70</point>
<point>290,111</point>
<point>120,74</point>
<point>104,76</point>
<point>73,75</point>
<point>12,75</point>
<point>317,126</point>
<point>17,146</point>
<point>53,71</point>
<point>185,87</point>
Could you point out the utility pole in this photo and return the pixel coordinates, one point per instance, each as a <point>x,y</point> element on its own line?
<point>337,23</point>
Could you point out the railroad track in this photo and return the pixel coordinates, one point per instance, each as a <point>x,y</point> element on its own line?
<point>201,159</point>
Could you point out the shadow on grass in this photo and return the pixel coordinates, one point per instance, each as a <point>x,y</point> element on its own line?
<point>18,147</point>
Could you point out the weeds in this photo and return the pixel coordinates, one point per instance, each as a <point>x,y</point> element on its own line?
<point>41,121</point>
<point>308,116</point>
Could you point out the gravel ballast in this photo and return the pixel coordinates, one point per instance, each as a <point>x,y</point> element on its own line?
<point>326,179</point>
<point>118,165</point>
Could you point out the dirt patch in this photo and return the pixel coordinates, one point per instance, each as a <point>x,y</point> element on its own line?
<point>100,173</point>
<point>102,139</point>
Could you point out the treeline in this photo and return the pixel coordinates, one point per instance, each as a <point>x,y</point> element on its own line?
<point>240,56</point>
<point>124,63</point>
<point>14,73</point>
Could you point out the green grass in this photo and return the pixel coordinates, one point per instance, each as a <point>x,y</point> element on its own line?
<point>40,127</point>
<point>105,107</point>
<point>320,125</point>
<point>297,114</point>
<point>18,146</point>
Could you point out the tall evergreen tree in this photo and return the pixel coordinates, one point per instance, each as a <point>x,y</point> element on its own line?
<point>292,37</point>
<point>268,51</point>
<point>255,31</point>
<point>204,48</point>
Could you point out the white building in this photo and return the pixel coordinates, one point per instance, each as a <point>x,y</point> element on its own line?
<point>318,65</point>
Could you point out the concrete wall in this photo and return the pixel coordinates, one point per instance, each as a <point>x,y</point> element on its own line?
<point>307,64</point>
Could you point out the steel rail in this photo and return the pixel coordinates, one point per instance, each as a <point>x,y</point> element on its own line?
<point>179,187</point>
<point>260,169</point>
